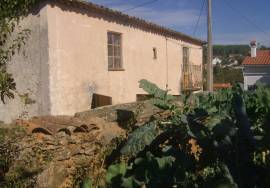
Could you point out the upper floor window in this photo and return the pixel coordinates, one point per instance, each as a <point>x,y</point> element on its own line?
<point>114,51</point>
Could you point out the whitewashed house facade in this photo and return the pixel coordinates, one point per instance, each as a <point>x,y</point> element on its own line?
<point>82,55</point>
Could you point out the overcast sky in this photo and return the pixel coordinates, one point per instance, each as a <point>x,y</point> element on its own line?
<point>229,24</point>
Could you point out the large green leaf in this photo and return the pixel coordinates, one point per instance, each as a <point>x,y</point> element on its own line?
<point>140,138</point>
<point>115,171</point>
<point>152,89</point>
<point>162,104</point>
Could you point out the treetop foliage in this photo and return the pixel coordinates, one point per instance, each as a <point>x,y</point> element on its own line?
<point>226,50</point>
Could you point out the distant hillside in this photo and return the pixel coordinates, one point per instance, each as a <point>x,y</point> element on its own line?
<point>226,50</point>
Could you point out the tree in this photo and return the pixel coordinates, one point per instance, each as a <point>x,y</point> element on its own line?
<point>12,38</point>
<point>226,50</point>
<point>262,47</point>
<point>228,75</point>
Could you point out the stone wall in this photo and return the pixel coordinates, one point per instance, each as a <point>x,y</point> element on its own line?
<point>60,151</point>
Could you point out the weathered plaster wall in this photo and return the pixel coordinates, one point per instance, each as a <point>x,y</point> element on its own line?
<point>30,70</point>
<point>254,74</point>
<point>79,67</point>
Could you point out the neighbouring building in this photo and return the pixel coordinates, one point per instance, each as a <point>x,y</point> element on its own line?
<point>256,67</point>
<point>217,61</point>
<point>81,55</point>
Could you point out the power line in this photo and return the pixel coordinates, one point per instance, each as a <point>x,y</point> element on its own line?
<point>246,18</point>
<point>199,18</point>
<point>140,5</point>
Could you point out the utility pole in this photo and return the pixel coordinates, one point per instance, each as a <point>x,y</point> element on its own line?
<point>209,49</point>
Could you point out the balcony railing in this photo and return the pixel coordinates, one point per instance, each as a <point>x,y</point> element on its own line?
<point>191,78</point>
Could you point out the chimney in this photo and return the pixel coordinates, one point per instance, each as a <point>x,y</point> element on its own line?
<point>253,45</point>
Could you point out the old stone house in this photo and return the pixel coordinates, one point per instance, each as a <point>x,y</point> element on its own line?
<point>81,55</point>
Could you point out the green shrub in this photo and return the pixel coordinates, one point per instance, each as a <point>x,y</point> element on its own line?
<point>219,139</point>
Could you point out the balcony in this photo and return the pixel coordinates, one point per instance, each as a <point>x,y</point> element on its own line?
<point>191,78</point>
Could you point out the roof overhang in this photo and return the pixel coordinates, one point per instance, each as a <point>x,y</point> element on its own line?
<point>127,20</point>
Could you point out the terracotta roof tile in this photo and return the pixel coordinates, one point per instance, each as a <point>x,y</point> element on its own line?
<point>222,86</point>
<point>82,4</point>
<point>262,58</point>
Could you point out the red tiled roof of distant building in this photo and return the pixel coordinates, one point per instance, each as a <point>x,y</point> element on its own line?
<point>262,58</point>
<point>222,86</point>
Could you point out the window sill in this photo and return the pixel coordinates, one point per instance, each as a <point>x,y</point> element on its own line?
<point>120,69</point>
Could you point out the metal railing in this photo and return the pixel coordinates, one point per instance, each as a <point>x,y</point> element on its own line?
<point>191,77</point>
